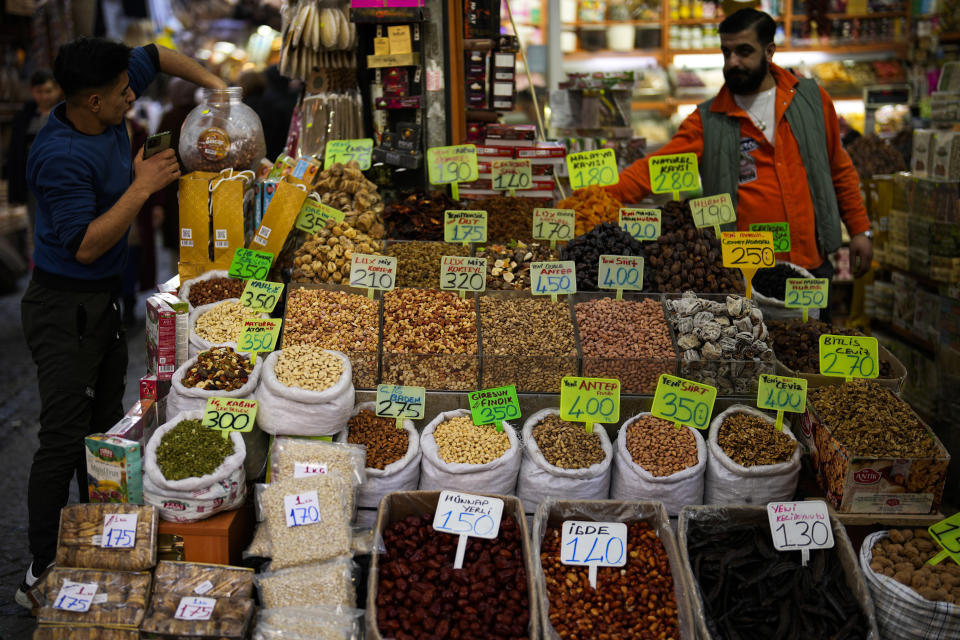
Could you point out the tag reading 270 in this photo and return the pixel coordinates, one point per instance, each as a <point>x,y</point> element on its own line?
<point>849,356</point>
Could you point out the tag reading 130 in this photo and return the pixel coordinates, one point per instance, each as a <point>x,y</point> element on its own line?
<point>684,402</point>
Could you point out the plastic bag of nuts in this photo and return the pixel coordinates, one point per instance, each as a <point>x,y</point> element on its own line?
<point>654,460</point>
<point>391,466</point>
<point>302,457</point>
<point>309,623</point>
<point>727,482</point>
<point>218,323</point>
<point>228,620</point>
<point>200,579</point>
<point>469,442</point>
<point>77,632</point>
<point>212,286</point>
<point>289,405</point>
<point>562,459</point>
<point>329,584</point>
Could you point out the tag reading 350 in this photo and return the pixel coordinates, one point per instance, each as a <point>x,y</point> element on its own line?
<point>684,402</point>
<point>493,406</point>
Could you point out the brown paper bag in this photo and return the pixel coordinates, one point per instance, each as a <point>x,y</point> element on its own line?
<point>226,205</point>
<point>279,218</point>
<point>193,194</point>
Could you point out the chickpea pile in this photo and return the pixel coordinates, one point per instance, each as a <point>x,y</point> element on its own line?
<point>461,441</point>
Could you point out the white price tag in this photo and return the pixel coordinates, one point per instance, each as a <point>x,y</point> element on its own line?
<point>800,526</point>
<point>304,469</point>
<point>301,509</point>
<point>593,544</point>
<point>467,515</point>
<point>75,596</point>
<point>193,608</point>
<point>203,587</point>
<point>119,531</point>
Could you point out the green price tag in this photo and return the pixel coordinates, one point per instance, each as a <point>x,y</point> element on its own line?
<point>554,224</point>
<point>371,272</point>
<point>401,403</point>
<point>593,168</point>
<point>849,357</point>
<point>781,394</point>
<point>229,414</point>
<point>642,224</point>
<point>261,296</point>
<point>463,274</point>
<point>250,264</point>
<point>344,151</point>
<point>589,400</point>
<point>684,402</point>
<point>314,216</point>
<point>464,226</point>
<point>553,278</point>
<point>947,534</point>
<point>747,251</point>
<point>453,165</point>
<point>620,272</point>
<point>780,231</point>
<point>806,294</point>
<point>493,406</point>
<point>259,335</point>
<point>510,175</point>
<point>713,211</point>
<point>674,174</point>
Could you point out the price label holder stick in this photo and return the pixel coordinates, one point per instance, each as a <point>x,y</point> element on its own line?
<point>466,515</point>
<point>800,526</point>
<point>748,251</point>
<point>781,394</point>
<point>947,534</point>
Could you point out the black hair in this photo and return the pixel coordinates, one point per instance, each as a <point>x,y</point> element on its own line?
<point>744,19</point>
<point>40,77</point>
<point>89,63</point>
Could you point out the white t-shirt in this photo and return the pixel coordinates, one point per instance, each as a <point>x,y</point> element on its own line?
<point>761,107</point>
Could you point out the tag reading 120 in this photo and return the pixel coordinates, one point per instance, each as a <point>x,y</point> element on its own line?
<point>250,263</point>
<point>493,406</point>
<point>593,168</point>
<point>343,151</point>
<point>849,356</point>
<point>261,296</point>
<point>593,544</point>
<point>119,531</point>
<point>674,174</point>
<point>589,400</point>
<point>642,224</point>
<point>684,402</point>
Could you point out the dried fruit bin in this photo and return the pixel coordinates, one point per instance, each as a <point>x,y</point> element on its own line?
<point>525,364</point>
<point>874,484</point>
<point>732,377</point>
<point>79,540</point>
<point>401,504</point>
<point>718,517</point>
<point>898,374</point>
<point>365,361</point>
<point>552,513</point>
<point>120,601</point>
<point>637,375</point>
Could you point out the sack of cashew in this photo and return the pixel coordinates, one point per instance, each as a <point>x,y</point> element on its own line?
<point>305,391</point>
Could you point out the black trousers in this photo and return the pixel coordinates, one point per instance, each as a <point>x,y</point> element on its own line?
<point>79,346</point>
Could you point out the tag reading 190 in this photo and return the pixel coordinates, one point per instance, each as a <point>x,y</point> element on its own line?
<point>453,164</point>
<point>712,211</point>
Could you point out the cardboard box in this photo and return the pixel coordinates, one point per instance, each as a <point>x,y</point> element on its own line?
<point>168,334</point>
<point>400,504</point>
<point>868,484</point>
<point>898,373</point>
<point>945,164</point>
<point>114,469</point>
<point>140,421</point>
<point>554,512</point>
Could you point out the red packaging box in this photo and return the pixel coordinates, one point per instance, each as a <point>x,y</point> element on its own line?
<point>167,334</point>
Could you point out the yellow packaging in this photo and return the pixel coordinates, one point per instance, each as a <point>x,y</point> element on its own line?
<point>279,218</point>
<point>194,199</point>
<point>226,205</point>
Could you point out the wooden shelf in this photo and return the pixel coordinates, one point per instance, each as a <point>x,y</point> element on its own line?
<point>613,23</point>
<point>701,21</point>
<point>635,53</point>
<point>855,16</point>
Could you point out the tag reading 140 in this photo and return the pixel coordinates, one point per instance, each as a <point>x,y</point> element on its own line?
<point>642,224</point>
<point>684,402</point>
<point>593,168</point>
<point>849,356</point>
<point>589,399</point>
<point>261,296</point>
<point>395,401</point>
<point>601,544</point>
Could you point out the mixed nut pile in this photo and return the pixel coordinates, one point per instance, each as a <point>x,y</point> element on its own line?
<point>567,445</point>
<point>219,369</point>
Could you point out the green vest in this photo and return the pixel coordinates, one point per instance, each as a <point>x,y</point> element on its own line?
<point>720,166</point>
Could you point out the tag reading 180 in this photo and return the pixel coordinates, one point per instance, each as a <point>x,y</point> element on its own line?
<point>593,168</point>
<point>713,210</point>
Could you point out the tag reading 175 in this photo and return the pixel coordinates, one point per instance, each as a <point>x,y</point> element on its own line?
<point>344,151</point>
<point>684,402</point>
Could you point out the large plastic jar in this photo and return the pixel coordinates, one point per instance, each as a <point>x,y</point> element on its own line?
<point>222,133</point>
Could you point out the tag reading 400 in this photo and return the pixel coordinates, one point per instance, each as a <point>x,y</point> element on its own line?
<point>589,399</point>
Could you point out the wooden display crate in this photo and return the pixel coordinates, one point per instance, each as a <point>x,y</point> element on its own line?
<point>217,540</point>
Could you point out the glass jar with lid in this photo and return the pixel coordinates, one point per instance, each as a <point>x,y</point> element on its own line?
<point>222,133</point>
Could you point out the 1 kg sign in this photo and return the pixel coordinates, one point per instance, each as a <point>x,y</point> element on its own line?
<point>119,531</point>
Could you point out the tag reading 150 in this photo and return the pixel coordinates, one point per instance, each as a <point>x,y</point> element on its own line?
<point>468,514</point>
<point>343,151</point>
<point>589,400</point>
<point>642,224</point>
<point>849,356</point>
<point>593,168</point>
<point>261,296</point>
<point>684,402</point>
<point>395,401</point>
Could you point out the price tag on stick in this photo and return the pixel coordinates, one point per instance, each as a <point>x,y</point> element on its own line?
<point>780,231</point>
<point>464,226</point>
<point>589,400</point>
<point>554,225</point>
<point>947,534</point>
<point>849,357</point>
<point>463,274</point>
<point>620,272</point>
<point>684,402</point>
<point>553,278</point>
<point>119,531</point>
<point>806,293</point>
<point>494,406</point>
<point>510,175</point>
<point>593,168</point>
<point>467,515</point>
<point>748,251</point>
<point>674,174</point>
<point>344,151</point>
<point>453,165</point>
<point>781,394</point>
<point>259,335</point>
<point>593,544</point>
<point>642,224</point>
<point>314,216</point>
<point>800,526</point>
<point>261,296</point>
<point>713,211</point>
<point>372,272</point>
<point>250,263</point>
<point>229,414</point>
<point>401,403</point>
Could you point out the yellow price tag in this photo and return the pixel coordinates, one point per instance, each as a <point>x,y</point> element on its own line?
<point>674,174</point>
<point>259,336</point>
<point>781,394</point>
<point>261,296</point>
<point>947,534</point>
<point>314,216</point>
<point>589,400</point>
<point>554,224</point>
<point>229,414</point>
<point>849,356</point>
<point>620,272</point>
<point>780,231</point>
<point>344,151</point>
<point>453,165</point>
<point>464,226</point>
<point>593,168</point>
<point>463,274</point>
<point>642,224</point>
<point>713,211</point>
<point>748,251</point>
<point>510,175</point>
<point>684,402</point>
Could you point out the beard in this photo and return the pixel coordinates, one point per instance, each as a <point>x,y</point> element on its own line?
<point>744,82</point>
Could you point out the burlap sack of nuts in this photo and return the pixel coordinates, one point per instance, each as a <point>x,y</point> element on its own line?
<point>540,480</point>
<point>630,481</point>
<point>498,476</point>
<point>727,482</point>
<point>773,307</point>
<point>198,343</point>
<point>298,411</point>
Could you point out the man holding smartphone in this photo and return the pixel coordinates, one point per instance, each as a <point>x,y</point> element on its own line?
<point>88,192</point>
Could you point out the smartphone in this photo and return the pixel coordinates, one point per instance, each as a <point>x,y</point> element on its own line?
<point>156,143</point>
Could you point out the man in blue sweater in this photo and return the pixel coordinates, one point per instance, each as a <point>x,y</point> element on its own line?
<point>88,192</point>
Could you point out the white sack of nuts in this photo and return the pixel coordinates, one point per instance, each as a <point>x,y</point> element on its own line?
<point>539,479</point>
<point>632,482</point>
<point>225,471</point>
<point>184,292</point>
<point>290,399</point>
<point>191,506</point>
<point>774,308</point>
<point>727,482</point>
<point>221,327</point>
<point>497,476</point>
